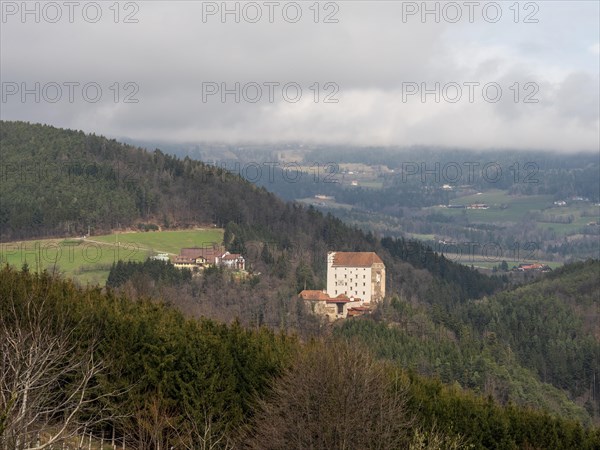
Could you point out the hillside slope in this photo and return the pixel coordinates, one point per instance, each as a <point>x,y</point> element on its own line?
<point>536,344</point>
<point>173,382</point>
<point>552,327</point>
<point>60,182</point>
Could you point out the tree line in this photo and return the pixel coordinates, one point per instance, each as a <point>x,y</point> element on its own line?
<point>535,344</point>
<point>159,380</point>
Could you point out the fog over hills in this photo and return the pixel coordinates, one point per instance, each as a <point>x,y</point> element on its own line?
<point>487,75</point>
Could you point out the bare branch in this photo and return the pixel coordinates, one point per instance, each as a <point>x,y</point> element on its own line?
<point>46,381</point>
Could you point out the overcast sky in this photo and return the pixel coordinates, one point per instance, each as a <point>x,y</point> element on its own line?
<point>541,74</point>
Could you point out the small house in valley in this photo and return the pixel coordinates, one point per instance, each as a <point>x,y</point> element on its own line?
<point>199,258</point>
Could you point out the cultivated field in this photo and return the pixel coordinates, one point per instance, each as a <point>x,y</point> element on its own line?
<point>166,241</point>
<point>89,260</point>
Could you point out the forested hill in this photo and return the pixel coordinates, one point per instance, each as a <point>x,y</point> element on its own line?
<point>160,380</point>
<point>60,182</point>
<point>523,344</point>
<point>553,328</point>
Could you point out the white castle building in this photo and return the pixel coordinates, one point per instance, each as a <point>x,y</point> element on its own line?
<point>357,275</point>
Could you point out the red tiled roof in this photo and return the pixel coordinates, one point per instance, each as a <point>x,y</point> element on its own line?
<point>531,266</point>
<point>358,311</point>
<point>356,259</point>
<point>342,298</point>
<point>308,294</point>
<point>360,308</point>
<point>232,256</point>
<point>191,254</point>
<point>339,299</point>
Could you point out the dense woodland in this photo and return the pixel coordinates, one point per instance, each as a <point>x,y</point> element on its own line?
<point>155,272</point>
<point>531,345</point>
<point>494,350</point>
<point>162,379</point>
<point>536,345</point>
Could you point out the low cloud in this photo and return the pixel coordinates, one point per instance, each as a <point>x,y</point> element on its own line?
<point>374,77</point>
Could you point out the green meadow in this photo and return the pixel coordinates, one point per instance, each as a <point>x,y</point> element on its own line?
<point>421,237</point>
<point>89,260</point>
<point>505,208</point>
<point>502,206</point>
<point>166,241</point>
<point>488,262</point>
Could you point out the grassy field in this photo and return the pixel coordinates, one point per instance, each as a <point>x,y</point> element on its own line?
<point>421,237</point>
<point>565,228</point>
<point>488,262</point>
<point>166,241</point>
<point>375,184</point>
<point>324,203</point>
<point>505,208</point>
<point>502,207</point>
<point>89,260</point>
<point>366,176</point>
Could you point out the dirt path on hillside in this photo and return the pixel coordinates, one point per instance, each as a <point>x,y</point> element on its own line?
<point>127,246</point>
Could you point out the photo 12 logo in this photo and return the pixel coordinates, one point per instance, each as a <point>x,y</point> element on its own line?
<point>270,12</point>
<point>469,91</point>
<point>454,12</point>
<point>69,12</point>
<point>47,254</point>
<point>468,172</point>
<point>489,252</point>
<point>473,252</point>
<point>273,172</point>
<point>269,91</point>
<point>72,171</point>
<point>68,91</point>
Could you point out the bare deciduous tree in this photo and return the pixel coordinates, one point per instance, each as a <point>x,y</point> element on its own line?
<point>46,380</point>
<point>335,397</point>
<point>151,426</point>
<point>202,433</point>
<point>435,439</point>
